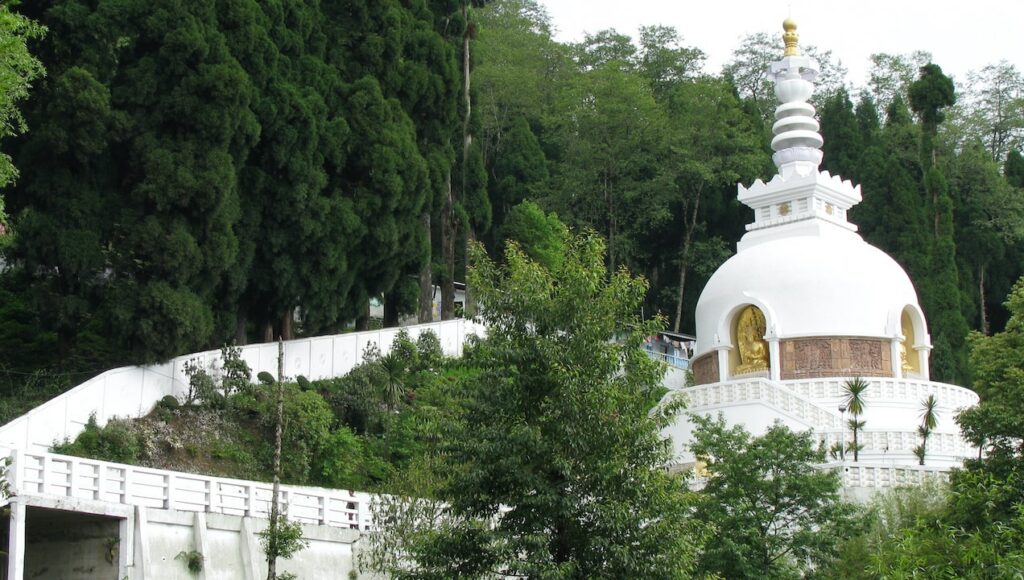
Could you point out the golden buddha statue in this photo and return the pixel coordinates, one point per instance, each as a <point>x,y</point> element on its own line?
<point>908,337</point>
<point>753,350</point>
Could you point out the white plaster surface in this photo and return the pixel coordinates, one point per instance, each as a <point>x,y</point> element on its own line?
<point>132,391</point>
<point>831,284</point>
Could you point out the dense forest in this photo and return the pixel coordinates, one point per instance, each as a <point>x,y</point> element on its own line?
<point>189,174</point>
<point>205,172</point>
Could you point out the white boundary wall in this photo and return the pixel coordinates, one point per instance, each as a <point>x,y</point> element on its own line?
<point>133,391</point>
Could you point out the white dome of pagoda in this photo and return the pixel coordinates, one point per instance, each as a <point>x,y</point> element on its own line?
<point>827,282</point>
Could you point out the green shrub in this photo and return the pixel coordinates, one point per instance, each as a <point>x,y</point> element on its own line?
<point>169,402</point>
<point>307,427</point>
<point>429,347</point>
<point>114,442</point>
<point>341,461</point>
<point>405,350</point>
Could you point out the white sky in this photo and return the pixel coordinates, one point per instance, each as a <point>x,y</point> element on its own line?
<point>961,36</point>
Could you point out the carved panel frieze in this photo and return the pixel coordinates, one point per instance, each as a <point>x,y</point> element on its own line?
<point>835,356</point>
<point>866,354</point>
<point>705,369</point>
<point>813,355</point>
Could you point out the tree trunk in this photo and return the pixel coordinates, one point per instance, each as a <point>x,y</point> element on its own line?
<point>611,225</point>
<point>274,508</point>
<point>426,311</point>
<point>981,299</point>
<point>856,448</point>
<point>241,337</point>
<point>391,313</point>
<point>468,308</point>
<point>287,326</point>
<point>467,140</point>
<point>268,332</point>
<point>363,320</point>
<point>448,234</point>
<point>684,262</point>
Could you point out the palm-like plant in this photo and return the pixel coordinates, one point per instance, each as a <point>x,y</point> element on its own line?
<point>929,420</point>
<point>855,390</point>
<point>393,386</point>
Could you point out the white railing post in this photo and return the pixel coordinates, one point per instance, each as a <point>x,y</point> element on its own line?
<point>169,493</point>
<point>125,489</point>
<point>250,500</point>
<point>46,465</point>
<point>213,500</point>
<point>101,481</point>
<point>14,474</point>
<point>325,509</point>
<point>73,469</point>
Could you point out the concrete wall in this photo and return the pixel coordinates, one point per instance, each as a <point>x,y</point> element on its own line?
<point>81,540</point>
<point>62,545</point>
<point>132,391</point>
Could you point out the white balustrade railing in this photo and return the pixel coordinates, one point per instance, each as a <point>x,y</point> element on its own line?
<point>896,442</point>
<point>133,391</point>
<point>866,475</point>
<point>890,390</point>
<point>764,391</point>
<point>855,475</point>
<point>62,476</point>
<point>679,362</point>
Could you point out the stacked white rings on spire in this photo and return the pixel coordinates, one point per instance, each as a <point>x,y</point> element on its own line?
<point>797,143</point>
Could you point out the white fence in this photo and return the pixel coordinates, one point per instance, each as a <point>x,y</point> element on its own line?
<point>132,391</point>
<point>855,475</point>
<point>889,390</point>
<point>763,391</point>
<point>61,476</point>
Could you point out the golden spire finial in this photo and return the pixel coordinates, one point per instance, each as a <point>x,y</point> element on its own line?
<point>790,37</point>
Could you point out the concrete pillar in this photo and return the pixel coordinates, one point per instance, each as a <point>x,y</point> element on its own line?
<point>202,543</point>
<point>723,363</point>
<point>250,550</point>
<point>125,547</point>
<point>142,562</point>
<point>894,356</point>
<point>774,362</point>
<point>16,541</point>
<point>923,356</point>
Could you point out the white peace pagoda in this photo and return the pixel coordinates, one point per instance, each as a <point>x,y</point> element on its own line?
<point>806,305</point>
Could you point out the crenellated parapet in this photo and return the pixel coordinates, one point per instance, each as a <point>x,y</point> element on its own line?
<point>800,197</point>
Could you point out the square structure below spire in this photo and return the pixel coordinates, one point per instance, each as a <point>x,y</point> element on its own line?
<point>816,195</point>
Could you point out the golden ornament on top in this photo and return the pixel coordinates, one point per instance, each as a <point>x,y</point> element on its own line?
<point>790,37</point>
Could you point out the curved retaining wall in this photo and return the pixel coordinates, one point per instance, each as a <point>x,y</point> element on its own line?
<point>133,391</point>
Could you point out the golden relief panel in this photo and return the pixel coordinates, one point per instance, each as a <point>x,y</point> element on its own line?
<point>804,358</point>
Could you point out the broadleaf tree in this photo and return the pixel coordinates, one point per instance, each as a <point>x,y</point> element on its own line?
<point>777,514</point>
<point>555,467</point>
<point>18,69</point>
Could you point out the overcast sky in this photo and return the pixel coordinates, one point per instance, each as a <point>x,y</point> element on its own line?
<point>961,36</point>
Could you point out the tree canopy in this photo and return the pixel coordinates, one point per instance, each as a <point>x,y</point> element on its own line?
<point>554,467</point>
<point>776,513</point>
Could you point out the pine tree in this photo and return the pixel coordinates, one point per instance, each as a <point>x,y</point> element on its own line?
<point>520,171</point>
<point>839,128</point>
<point>1014,169</point>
